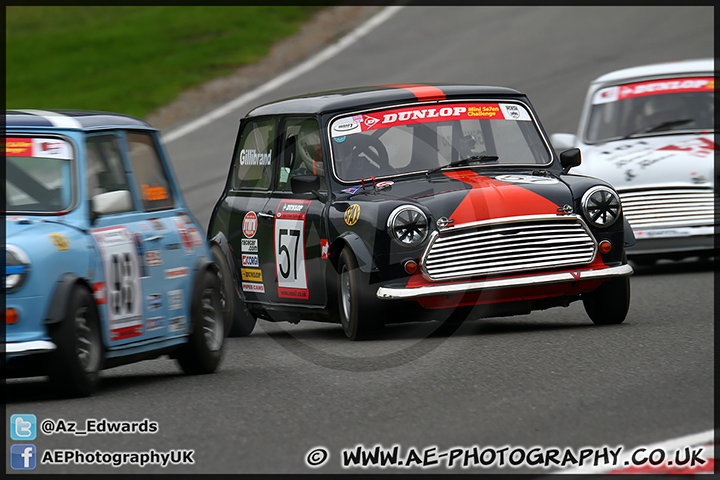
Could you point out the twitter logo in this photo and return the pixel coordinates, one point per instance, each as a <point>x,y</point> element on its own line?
<point>23,427</point>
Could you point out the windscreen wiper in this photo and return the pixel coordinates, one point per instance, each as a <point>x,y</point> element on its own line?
<point>658,127</point>
<point>465,161</point>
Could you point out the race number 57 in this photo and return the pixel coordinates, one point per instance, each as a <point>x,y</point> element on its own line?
<point>288,241</point>
<point>290,250</point>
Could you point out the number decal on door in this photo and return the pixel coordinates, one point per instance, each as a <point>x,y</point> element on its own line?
<point>121,266</point>
<point>290,249</point>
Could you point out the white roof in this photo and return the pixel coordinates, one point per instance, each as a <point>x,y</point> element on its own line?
<point>700,65</point>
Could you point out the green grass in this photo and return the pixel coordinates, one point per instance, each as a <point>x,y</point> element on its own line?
<point>132,59</point>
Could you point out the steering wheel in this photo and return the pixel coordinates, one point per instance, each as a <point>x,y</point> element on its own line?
<point>369,155</point>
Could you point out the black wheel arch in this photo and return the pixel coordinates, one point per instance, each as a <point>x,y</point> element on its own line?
<point>61,297</point>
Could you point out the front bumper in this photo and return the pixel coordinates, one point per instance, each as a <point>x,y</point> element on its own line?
<point>36,346</point>
<point>393,293</point>
<point>672,240</point>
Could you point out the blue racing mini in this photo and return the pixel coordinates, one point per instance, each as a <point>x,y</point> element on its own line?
<point>104,263</point>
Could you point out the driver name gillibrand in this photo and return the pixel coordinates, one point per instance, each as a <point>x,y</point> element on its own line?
<point>374,169</point>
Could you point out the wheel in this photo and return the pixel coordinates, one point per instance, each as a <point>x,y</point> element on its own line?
<point>238,320</point>
<point>202,353</point>
<point>75,364</point>
<point>609,303</point>
<point>357,310</point>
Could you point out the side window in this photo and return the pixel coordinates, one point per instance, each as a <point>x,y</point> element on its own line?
<point>105,169</point>
<point>255,157</point>
<point>302,151</point>
<point>150,175</point>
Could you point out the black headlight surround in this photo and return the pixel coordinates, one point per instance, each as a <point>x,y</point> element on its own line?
<point>17,267</point>
<point>408,226</point>
<point>601,206</point>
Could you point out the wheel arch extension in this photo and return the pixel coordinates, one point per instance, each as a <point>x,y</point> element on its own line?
<point>61,297</point>
<point>359,248</point>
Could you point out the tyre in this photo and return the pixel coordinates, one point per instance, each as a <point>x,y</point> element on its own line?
<point>357,310</point>
<point>239,322</point>
<point>74,366</point>
<point>609,303</point>
<point>202,353</point>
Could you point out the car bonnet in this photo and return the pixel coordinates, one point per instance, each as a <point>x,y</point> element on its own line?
<point>656,161</point>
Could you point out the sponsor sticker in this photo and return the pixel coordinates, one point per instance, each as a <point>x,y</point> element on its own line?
<point>352,214</point>
<point>249,245</point>
<point>654,87</point>
<point>176,324</point>
<point>251,274</point>
<point>425,114</point>
<point>253,287</point>
<point>250,260</point>
<point>155,323</point>
<point>154,301</point>
<point>673,232</point>
<point>290,248</point>
<point>324,248</point>
<point>250,224</point>
<point>38,148</point>
<point>185,236</point>
<point>178,272</point>
<point>157,224</point>
<point>99,292</point>
<point>123,295</point>
<point>351,190</point>
<point>153,258</point>
<point>59,241</point>
<point>526,179</point>
<point>175,299</point>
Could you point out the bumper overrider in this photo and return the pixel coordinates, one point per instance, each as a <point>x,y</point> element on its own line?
<point>404,293</point>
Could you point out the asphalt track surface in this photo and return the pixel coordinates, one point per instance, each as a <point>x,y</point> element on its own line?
<point>550,379</point>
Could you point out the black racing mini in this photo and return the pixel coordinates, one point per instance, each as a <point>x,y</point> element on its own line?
<point>399,203</point>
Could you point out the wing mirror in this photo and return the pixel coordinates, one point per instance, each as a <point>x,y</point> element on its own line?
<point>117,201</point>
<point>569,159</point>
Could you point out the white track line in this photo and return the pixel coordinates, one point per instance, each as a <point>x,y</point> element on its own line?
<point>293,73</point>
<point>695,439</point>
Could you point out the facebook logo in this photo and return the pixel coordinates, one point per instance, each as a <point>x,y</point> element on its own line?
<point>22,457</point>
<point>23,427</point>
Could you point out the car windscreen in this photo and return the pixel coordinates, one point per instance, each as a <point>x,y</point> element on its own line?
<point>38,174</point>
<point>418,138</point>
<point>650,108</point>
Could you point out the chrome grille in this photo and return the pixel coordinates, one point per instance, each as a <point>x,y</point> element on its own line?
<point>668,207</point>
<point>508,245</point>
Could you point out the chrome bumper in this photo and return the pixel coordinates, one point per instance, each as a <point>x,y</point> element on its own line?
<point>38,346</point>
<point>390,293</point>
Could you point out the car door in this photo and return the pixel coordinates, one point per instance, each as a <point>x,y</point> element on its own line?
<point>248,190</point>
<point>292,252</point>
<point>145,250</point>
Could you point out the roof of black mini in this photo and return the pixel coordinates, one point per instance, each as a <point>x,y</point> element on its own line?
<point>375,96</point>
<point>71,119</point>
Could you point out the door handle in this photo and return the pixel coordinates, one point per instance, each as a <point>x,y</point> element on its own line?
<point>266,215</point>
<point>154,237</point>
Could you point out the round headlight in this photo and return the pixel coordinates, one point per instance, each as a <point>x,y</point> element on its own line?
<point>601,206</point>
<point>17,267</point>
<point>408,225</point>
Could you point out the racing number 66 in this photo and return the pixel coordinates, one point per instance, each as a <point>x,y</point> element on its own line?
<point>283,249</point>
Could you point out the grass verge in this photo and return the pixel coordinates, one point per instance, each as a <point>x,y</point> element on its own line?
<point>132,59</point>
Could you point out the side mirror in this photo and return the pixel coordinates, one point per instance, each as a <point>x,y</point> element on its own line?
<point>562,141</point>
<point>570,158</point>
<point>304,183</point>
<point>117,201</point>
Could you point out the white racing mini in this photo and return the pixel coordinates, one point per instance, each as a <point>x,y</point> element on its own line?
<point>649,131</point>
